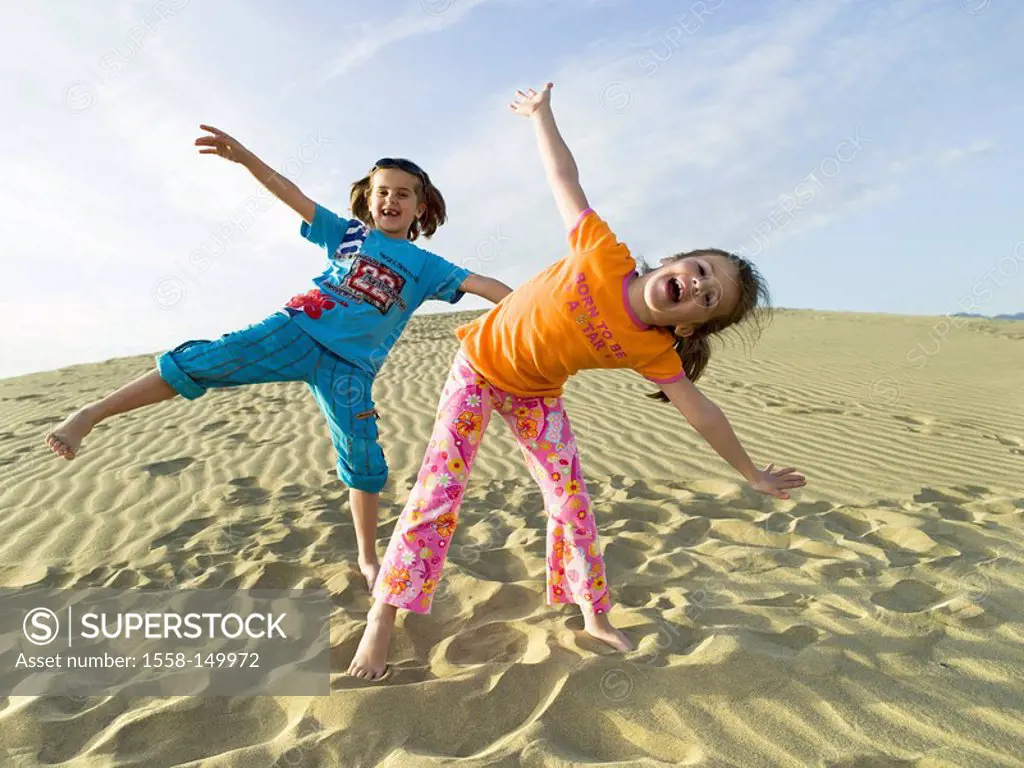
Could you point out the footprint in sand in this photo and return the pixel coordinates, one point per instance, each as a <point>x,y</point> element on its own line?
<point>45,420</point>
<point>496,500</point>
<point>279,575</point>
<point>930,495</point>
<point>247,493</point>
<point>633,595</point>
<point>625,555</point>
<point>806,508</point>
<point>974,491</point>
<point>813,410</point>
<point>777,524</point>
<point>241,533</point>
<point>836,571</point>
<point>908,596</point>
<point>795,638</point>
<point>874,761</point>
<point>734,385</point>
<point>788,600</point>
<point>294,543</point>
<point>499,565</point>
<point>213,425</point>
<point>691,532</point>
<point>916,425</point>
<point>114,575</point>
<point>644,513</point>
<point>914,422</point>
<point>182,533</point>
<point>1007,441</point>
<point>490,644</point>
<point>994,505</point>
<point>292,493</point>
<point>948,511</point>
<point>168,468</point>
<point>1015,444</point>
<point>125,578</point>
<point>509,602</point>
<point>242,437</point>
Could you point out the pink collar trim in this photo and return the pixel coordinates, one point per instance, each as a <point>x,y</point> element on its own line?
<point>625,301</point>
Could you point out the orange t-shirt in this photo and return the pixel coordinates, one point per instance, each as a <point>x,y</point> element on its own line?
<point>572,316</point>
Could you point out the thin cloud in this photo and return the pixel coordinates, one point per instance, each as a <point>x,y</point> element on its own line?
<point>364,40</point>
<point>953,155</point>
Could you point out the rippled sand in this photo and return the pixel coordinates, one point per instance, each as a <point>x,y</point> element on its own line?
<point>873,620</point>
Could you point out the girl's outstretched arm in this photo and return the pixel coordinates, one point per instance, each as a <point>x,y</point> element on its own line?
<point>559,165</point>
<point>486,287</point>
<point>708,419</point>
<point>219,143</point>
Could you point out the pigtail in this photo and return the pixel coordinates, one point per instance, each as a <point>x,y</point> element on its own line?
<point>359,201</point>
<point>694,353</point>
<point>433,217</point>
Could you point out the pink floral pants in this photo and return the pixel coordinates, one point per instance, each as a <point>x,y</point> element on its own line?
<point>412,567</point>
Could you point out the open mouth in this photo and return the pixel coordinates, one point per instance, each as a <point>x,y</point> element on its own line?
<point>675,289</point>
<point>390,213</point>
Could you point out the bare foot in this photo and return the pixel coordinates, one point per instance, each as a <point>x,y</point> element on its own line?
<point>370,661</point>
<point>369,569</point>
<point>599,626</point>
<point>66,439</point>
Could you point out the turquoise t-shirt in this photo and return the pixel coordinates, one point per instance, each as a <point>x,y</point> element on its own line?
<point>369,290</point>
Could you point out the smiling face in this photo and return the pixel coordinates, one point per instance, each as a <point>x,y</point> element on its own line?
<point>689,292</point>
<point>394,201</point>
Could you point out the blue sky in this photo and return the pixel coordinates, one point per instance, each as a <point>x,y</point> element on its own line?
<point>868,155</point>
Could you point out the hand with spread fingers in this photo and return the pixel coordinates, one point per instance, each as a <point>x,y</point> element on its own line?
<point>775,482</point>
<point>529,101</point>
<point>219,143</point>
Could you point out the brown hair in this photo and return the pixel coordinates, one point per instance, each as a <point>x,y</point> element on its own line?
<point>434,216</point>
<point>753,306</point>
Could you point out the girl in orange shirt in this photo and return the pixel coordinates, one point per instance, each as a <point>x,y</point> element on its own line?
<point>589,310</point>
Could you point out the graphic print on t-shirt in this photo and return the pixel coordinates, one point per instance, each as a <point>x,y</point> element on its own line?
<point>352,241</point>
<point>589,319</point>
<point>359,277</point>
<point>374,283</point>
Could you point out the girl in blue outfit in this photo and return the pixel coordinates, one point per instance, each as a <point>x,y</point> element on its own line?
<point>336,336</point>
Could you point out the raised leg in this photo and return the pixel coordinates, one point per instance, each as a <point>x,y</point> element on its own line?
<point>148,389</point>
<point>274,349</point>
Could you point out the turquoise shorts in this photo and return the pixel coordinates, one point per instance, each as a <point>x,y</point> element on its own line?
<point>278,350</point>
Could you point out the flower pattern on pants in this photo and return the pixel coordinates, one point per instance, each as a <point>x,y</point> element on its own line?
<point>411,570</point>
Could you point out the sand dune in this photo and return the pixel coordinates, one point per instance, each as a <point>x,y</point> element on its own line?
<point>873,620</point>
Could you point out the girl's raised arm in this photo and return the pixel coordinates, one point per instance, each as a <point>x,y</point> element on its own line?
<point>219,143</point>
<point>563,176</point>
